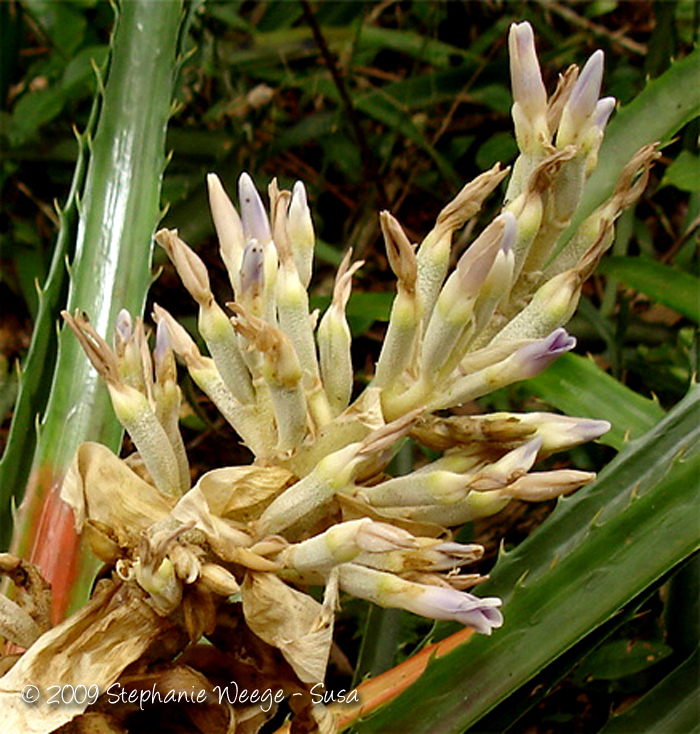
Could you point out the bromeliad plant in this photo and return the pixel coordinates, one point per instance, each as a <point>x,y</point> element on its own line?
<point>231,556</point>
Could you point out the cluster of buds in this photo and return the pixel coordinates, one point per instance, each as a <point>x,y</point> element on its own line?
<point>316,506</point>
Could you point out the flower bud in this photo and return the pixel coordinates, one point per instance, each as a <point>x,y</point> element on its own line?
<point>433,602</point>
<point>603,109</point>
<point>203,371</point>
<point>529,109</point>
<point>496,286</point>
<point>581,105</point>
<point>433,257</point>
<point>334,340</point>
<point>429,557</point>
<point>454,309</point>
<point>163,360</point>
<point>474,506</point>
<point>252,277</point>
<point>310,496</point>
<point>547,485</point>
<point>123,331</point>
<point>418,488</point>
<point>507,469</point>
<point>167,400</point>
<point>133,357</point>
<point>527,361</point>
<point>282,373</point>
<point>532,359</point>
<point>294,318</point>
<point>561,432</point>
<point>552,305</point>
<point>301,233</point>
<point>402,332</point>
<point>529,92</point>
<point>602,113</point>
<point>256,225</point>
<point>135,413</point>
<point>188,264</point>
<point>342,543</point>
<point>229,229</point>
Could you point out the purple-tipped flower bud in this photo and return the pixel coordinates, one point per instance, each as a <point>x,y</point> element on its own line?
<point>475,264</point>
<point>528,89</point>
<point>256,224</point>
<point>510,230</point>
<point>124,328</point>
<point>434,602</point>
<point>536,357</point>
<point>584,95</point>
<point>497,284</point>
<point>529,109</point>
<point>561,432</point>
<point>252,271</point>
<point>603,110</point>
<point>582,103</point>
<point>163,349</point>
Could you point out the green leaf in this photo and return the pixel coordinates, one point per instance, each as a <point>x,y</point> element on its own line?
<point>363,309</point>
<point>79,71</point>
<point>393,105</point>
<point>309,128</point>
<point>671,707</point>
<point>496,97</point>
<point>33,110</point>
<point>577,386</point>
<point>621,658</point>
<point>499,148</point>
<point>34,387</point>
<point>674,288</point>
<point>426,50</point>
<point>62,22</point>
<point>684,172</point>
<point>597,552</point>
<point>109,264</point>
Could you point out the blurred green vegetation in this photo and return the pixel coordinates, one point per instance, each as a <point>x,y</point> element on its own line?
<point>373,105</point>
<point>416,104</point>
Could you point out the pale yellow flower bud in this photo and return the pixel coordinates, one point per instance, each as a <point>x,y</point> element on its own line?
<point>301,233</point>
<point>229,229</point>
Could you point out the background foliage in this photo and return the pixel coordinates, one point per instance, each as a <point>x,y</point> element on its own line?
<point>389,105</point>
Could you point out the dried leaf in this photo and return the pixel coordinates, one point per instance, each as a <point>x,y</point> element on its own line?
<point>199,610</point>
<point>99,486</point>
<point>33,592</point>
<point>193,509</point>
<point>91,648</point>
<point>93,722</point>
<point>295,623</point>
<point>241,493</point>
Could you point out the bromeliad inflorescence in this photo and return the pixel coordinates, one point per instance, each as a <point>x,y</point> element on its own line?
<point>316,507</point>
